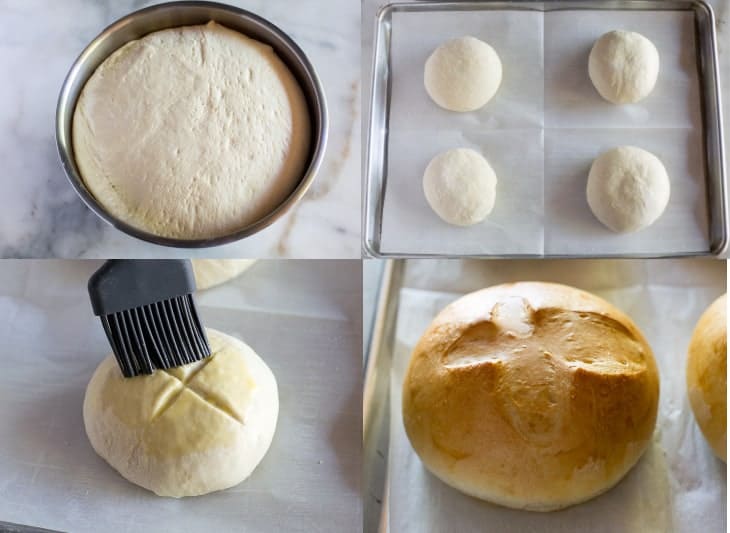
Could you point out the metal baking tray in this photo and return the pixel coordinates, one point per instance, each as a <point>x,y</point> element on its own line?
<point>382,342</point>
<point>376,169</point>
<point>376,399</point>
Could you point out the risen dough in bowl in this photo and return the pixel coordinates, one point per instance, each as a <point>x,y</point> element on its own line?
<point>623,66</point>
<point>628,188</point>
<point>212,272</point>
<point>531,395</point>
<point>460,186</point>
<point>707,375</point>
<point>192,132</point>
<point>462,74</point>
<point>189,430</point>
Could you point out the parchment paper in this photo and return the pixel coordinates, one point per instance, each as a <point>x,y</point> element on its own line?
<point>541,132</point>
<point>302,317</point>
<point>676,486</point>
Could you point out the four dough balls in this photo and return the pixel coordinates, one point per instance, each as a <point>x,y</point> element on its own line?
<point>189,430</point>
<point>462,74</point>
<point>628,188</point>
<point>623,66</point>
<point>707,375</point>
<point>460,186</point>
<point>531,395</point>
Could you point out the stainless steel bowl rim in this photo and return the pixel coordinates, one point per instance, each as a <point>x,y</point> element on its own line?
<point>67,105</point>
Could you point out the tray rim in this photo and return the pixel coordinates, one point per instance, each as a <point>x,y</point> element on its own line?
<point>716,186</point>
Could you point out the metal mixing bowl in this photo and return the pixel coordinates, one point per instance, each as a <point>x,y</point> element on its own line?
<point>171,15</point>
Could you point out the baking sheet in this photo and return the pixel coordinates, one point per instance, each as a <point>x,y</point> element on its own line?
<point>545,90</point>
<point>676,485</point>
<point>302,317</point>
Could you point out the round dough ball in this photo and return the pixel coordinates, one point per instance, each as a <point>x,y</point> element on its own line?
<point>531,395</point>
<point>192,132</point>
<point>623,66</point>
<point>707,375</point>
<point>628,188</point>
<point>189,430</point>
<point>212,272</point>
<point>460,186</point>
<point>462,74</point>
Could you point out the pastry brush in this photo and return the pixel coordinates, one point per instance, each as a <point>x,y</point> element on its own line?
<point>148,313</point>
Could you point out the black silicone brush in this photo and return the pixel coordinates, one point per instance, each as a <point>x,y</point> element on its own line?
<point>148,313</point>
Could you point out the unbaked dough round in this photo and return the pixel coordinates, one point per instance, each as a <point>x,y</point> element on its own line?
<point>192,132</point>
<point>189,430</point>
<point>707,375</point>
<point>623,66</point>
<point>462,74</point>
<point>628,188</point>
<point>460,186</point>
<point>212,272</point>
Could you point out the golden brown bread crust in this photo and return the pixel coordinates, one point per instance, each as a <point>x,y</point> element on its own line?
<point>531,395</point>
<point>707,375</point>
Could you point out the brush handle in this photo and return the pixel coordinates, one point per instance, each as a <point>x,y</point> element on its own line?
<point>122,284</point>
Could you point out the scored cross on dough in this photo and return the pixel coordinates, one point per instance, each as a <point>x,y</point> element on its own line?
<point>184,381</point>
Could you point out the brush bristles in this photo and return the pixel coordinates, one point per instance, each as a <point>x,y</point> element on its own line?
<point>160,335</point>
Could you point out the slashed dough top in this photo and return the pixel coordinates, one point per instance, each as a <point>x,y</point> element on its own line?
<point>191,132</point>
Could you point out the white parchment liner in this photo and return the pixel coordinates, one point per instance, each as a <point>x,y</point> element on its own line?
<point>541,133</point>
<point>677,486</point>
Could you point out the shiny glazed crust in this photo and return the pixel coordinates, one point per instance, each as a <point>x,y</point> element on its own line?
<point>707,375</point>
<point>531,395</point>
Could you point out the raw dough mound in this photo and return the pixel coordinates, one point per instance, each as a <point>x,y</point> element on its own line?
<point>192,132</point>
<point>460,186</point>
<point>212,272</point>
<point>188,430</point>
<point>628,188</point>
<point>623,66</point>
<point>462,74</point>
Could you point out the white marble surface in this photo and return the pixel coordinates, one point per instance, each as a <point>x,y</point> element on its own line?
<point>40,214</point>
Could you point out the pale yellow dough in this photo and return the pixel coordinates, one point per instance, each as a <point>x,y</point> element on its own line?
<point>212,272</point>
<point>186,431</point>
<point>192,132</point>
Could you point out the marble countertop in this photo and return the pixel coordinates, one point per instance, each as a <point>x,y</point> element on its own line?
<point>41,215</point>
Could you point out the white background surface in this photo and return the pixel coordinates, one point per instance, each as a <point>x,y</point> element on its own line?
<point>546,101</point>
<point>301,317</point>
<point>41,215</point>
<point>677,486</point>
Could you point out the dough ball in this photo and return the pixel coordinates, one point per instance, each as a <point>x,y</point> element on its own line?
<point>460,186</point>
<point>212,272</point>
<point>623,66</point>
<point>189,430</point>
<point>531,395</point>
<point>192,132</point>
<point>707,375</point>
<point>628,188</point>
<point>462,74</point>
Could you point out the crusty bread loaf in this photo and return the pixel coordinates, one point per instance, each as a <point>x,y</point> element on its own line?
<point>191,132</point>
<point>707,375</point>
<point>531,395</point>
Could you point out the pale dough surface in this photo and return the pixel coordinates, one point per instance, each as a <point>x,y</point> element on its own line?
<point>189,430</point>
<point>628,188</point>
<point>460,186</point>
<point>462,74</point>
<point>623,66</point>
<point>192,132</point>
<point>212,272</point>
